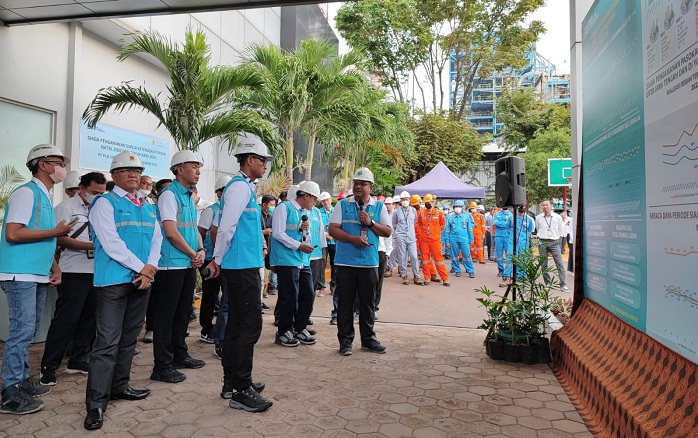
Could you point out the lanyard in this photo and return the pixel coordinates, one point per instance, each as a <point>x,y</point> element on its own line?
<point>549,224</point>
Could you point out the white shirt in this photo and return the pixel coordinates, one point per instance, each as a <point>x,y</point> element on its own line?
<point>72,260</point>
<point>19,207</point>
<point>101,219</point>
<point>206,219</point>
<point>167,206</point>
<point>235,200</point>
<point>278,224</point>
<point>551,227</point>
<point>201,206</point>
<point>384,219</point>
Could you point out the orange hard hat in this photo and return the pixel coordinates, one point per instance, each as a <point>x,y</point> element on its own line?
<point>473,204</point>
<point>428,198</point>
<point>415,200</point>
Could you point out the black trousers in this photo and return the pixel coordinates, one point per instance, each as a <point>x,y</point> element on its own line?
<point>73,320</point>
<point>331,251</point>
<point>488,244</point>
<point>570,258</point>
<point>295,297</point>
<point>244,325</point>
<point>318,272</point>
<point>209,293</point>
<point>353,283</point>
<point>173,292</point>
<point>149,314</point>
<point>119,315</point>
<point>382,261</point>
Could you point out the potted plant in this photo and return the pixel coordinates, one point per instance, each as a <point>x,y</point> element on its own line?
<point>516,323</point>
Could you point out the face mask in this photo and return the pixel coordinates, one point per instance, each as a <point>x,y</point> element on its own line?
<point>472,210</point>
<point>417,207</point>
<point>427,206</point>
<point>59,174</point>
<point>89,197</point>
<point>457,210</point>
<point>144,192</point>
<point>270,210</point>
<point>405,203</point>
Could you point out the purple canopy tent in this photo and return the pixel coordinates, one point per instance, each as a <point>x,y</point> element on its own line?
<point>442,183</point>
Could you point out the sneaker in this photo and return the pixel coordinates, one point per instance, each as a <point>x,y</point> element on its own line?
<point>32,389</point>
<point>447,284</point>
<point>388,273</point>
<point>218,352</point>
<point>148,337</point>
<point>265,307</point>
<point>345,348</point>
<point>425,283</point>
<point>78,367</point>
<point>249,400</point>
<point>168,375</point>
<point>333,320</point>
<point>286,339</point>
<point>435,279</point>
<point>271,291</point>
<point>374,346</point>
<point>471,275</point>
<point>188,362</point>
<point>227,391</point>
<point>405,281</point>
<point>320,293</point>
<point>47,376</point>
<point>418,281</point>
<point>265,295</point>
<point>565,288</point>
<point>499,274</point>
<point>15,401</point>
<point>305,338</point>
<point>192,317</point>
<point>457,274</point>
<point>451,271</point>
<point>310,321</point>
<point>206,338</point>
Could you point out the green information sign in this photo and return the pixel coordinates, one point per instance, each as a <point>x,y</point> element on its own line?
<point>559,169</point>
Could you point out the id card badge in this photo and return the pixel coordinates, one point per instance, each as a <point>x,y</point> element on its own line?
<point>364,233</point>
<point>90,253</point>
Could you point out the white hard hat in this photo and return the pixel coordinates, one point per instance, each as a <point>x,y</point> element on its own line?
<point>404,194</point>
<point>221,183</point>
<point>291,192</point>
<point>126,159</point>
<point>253,146</point>
<point>363,174</point>
<point>323,196</point>
<point>72,180</point>
<point>481,207</point>
<point>309,187</point>
<point>259,200</point>
<point>44,151</point>
<point>388,200</point>
<point>186,156</point>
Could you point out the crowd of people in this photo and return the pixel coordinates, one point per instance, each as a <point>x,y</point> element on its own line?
<point>127,254</point>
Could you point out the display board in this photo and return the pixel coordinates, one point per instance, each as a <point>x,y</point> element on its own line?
<point>99,145</point>
<point>559,172</point>
<point>640,165</point>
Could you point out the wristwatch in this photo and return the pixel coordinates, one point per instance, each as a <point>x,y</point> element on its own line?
<point>372,224</point>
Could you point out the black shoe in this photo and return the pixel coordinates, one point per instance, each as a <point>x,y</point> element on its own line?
<point>168,375</point>
<point>47,376</point>
<point>272,291</point>
<point>499,274</point>
<point>345,348</point>
<point>276,321</point>
<point>457,274</point>
<point>265,307</point>
<point>130,394</point>
<point>218,351</point>
<point>249,400</point>
<point>310,321</point>
<point>190,363</point>
<point>451,271</point>
<point>78,367</point>
<point>471,275</point>
<point>16,401</point>
<point>192,317</point>
<point>136,352</point>
<point>228,390</point>
<point>374,346</point>
<point>206,338</point>
<point>32,389</point>
<point>333,320</point>
<point>94,419</point>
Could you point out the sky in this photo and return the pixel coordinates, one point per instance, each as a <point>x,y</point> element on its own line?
<point>554,45</point>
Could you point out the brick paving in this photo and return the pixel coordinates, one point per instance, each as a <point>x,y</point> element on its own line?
<point>433,382</point>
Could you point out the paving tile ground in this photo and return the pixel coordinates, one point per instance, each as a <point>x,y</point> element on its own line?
<point>433,382</point>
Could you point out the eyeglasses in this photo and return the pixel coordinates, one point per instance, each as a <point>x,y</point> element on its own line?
<point>136,171</point>
<point>361,183</point>
<point>55,163</point>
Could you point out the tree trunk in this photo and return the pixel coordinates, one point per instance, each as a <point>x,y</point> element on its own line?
<point>289,157</point>
<point>309,157</point>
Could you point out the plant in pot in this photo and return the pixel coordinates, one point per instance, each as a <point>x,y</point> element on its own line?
<point>516,322</point>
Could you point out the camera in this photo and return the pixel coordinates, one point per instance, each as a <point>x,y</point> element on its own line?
<point>205,273</point>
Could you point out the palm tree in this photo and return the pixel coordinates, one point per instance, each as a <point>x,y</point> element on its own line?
<point>198,105</point>
<point>9,178</point>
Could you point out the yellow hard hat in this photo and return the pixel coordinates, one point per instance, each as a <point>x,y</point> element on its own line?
<point>473,204</point>
<point>428,198</point>
<point>415,200</point>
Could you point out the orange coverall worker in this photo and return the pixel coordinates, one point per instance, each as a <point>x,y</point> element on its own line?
<point>477,251</point>
<point>431,223</point>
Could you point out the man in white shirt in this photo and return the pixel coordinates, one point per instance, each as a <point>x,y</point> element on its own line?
<point>127,242</point>
<point>550,228</point>
<point>74,316</point>
<point>27,269</point>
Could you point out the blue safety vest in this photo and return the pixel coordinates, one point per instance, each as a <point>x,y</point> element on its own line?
<point>524,228</point>
<point>326,222</point>
<point>31,257</point>
<point>170,256</point>
<point>208,243</point>
<point>281,255</point>
<point>135,226</point>
<point>316,227</point>
<point>348,254</point>
<point>502,223</point>
<point>460,228</point>
<point>245,250</point>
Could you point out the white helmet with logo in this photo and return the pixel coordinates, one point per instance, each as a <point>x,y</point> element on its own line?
<point>221,183</point>
<point>405,194</point>
<point>388,200</point>
<point>186,156</point>
<point>44,151</point>
<point>72,180</point>
<point>309,187</point>
<point>323,196</point>
<point>253,146</point>
<point>363,174</point>
<point>126,159</point>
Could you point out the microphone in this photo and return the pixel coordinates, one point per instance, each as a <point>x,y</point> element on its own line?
<point>304,233</point>
<point>361,204</point>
